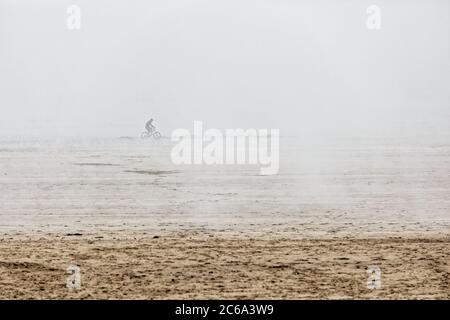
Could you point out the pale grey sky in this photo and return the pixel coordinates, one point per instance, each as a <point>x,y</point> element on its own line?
<point>284,64</point>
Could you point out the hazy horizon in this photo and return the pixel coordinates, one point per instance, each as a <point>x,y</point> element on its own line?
<point>308,67</point>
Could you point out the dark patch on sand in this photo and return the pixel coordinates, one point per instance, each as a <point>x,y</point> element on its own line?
<point>19,149</point>
<point>96,164</point>
<point>25,265</point>
<point>151,172</point>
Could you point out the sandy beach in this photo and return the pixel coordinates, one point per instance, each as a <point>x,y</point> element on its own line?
<point>193,266</point>
<point>139,227</point>
<point>191,149</point>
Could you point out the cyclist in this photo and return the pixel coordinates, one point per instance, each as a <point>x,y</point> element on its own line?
<point>149,126</point>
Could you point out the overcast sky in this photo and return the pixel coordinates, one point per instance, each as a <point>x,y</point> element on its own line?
<point>232,63</point>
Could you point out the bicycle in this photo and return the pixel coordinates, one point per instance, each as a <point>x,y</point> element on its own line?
<point>148,134</point>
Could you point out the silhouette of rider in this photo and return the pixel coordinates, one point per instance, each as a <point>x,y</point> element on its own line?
<point>149,126</point>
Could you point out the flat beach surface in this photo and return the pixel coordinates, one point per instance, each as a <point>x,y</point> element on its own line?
<point>140,227</point>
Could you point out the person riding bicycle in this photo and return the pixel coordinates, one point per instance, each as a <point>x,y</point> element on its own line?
<point>150,131</point>
<point>149,126</point>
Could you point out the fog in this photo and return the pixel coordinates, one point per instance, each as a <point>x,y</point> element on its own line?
<point>305,67</point>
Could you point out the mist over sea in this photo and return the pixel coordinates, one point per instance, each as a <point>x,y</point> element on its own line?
<point>356,186</point>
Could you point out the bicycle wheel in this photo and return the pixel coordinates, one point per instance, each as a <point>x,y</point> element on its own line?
<point>145,135</point>
<point>157,135</point>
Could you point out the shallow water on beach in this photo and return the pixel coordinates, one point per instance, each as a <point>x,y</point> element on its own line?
<point>362,188</point>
